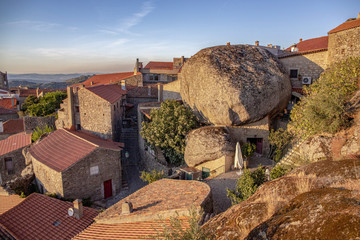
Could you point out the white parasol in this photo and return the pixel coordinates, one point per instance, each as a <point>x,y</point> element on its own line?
<point>239,161</point>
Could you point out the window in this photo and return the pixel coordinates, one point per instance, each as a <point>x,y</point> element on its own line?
<point>293,73</point>
<point>77,109</point>
<point>9,165</point>
<point>94,170</point>
<point>78,127</point>
<point>154,77</point>
<point>114,107</point>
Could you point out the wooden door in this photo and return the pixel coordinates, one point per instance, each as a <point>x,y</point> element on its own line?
<point>107,189</point>
<point>259,143</point>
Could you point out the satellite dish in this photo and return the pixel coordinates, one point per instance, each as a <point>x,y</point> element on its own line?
<point>71,212</point>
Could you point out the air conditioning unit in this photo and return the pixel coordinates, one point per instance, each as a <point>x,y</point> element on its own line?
<point>306,80</point>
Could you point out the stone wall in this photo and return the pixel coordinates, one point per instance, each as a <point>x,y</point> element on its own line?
<point>18,164</point>
<point>5,117</point>
<point>30,123</point>
<point>95,114</point>
<point>308,65</point>
<point>218,166</point>
<point>136,81</point>
<point>171,91</point>
<point>344,44</point>
<point>259,129</point>
<point>78,183</point>
<point>46,178</point>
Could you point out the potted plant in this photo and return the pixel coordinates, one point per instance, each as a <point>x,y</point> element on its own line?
<point>247,150</point>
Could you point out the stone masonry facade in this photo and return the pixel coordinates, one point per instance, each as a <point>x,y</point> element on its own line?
<point>18,162</point>
<point>344,44</point>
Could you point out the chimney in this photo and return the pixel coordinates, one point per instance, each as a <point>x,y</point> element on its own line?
<point>92,83</point>
<point>269,45</point>
<point>78,209</point>
<point>228,44</point>
<point>358,17</point>
<point>126,208</point>
<point>123,84</point>
<point>149,90</point>
<point>257,43</point>
<point>182,60</point>
<point>300,40</point>
<point>160,92</point>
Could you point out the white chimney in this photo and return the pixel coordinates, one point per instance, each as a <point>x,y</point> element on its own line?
<point>78,209</point>
<point>123,84</point>
<point>126,208</point>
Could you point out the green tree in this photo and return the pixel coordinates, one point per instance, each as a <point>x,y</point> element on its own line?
<point>167,129</point>
<point>46,105</point>
<point>246,185</point>
<point>323,109</point>
<point>38,132</point>
<point>279,139</point>
<point>248,149</point>
<point>152,176</point>
<point>278,171</point>
<point>30,100</point>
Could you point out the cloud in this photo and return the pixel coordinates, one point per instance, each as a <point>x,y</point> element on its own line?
<point>56,52</point>
<point>35,25</point>
<point>128,23</point>
<point>118,42</point>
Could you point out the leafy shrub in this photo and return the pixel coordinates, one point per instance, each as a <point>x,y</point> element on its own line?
<point>279,139</point>
<point>39,132</point>
<point>248,149</point>
<point>322,110</point>
<point>151,176</point>
<point>53,195</point>
<point>168,127</point>
<point>246,185</point>
<point>176,230</point>
<point>278,171</point>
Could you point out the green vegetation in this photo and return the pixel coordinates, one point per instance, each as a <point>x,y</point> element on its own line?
<point>278,171</point>
<point>80,79</point>
<point>323,110</point>
<point>151,176</point>
<point>176,230</point>
<point>248,149</point>
<point>40,131</point>
<point>168,128</point>
<point>43,106</point>
<point>246,185</point>
<point>279,139</point>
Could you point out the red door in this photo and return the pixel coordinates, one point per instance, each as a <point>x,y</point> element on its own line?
<point>107,189</point>
<point>259,142</point>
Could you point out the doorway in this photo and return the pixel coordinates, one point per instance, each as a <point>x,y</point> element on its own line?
<point>107,189</point>
<point>258,143</point>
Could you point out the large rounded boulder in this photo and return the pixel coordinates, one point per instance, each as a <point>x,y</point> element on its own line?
<point>207,144</point>
<point>234,85</point>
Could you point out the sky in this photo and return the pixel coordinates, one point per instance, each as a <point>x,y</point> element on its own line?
<point>92,36</point>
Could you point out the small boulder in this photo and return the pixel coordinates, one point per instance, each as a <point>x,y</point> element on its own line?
<point>234,85</point>
<point>206,144</point>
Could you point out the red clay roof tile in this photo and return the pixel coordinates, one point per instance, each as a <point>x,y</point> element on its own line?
<point>9,103</point>
<point>103,79</point>
<point>14,142</point>
<point>345,26</point>
<point>110,93</point>
<point>8,202</point>
<point>311,44</point>
<point>160,65</point>
<point>5,111</point>
<point>34,218</point>
<point>62,148</point>
<point>13,126</point>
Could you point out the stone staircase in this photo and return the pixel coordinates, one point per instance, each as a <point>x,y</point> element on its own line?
<point>291,158</point>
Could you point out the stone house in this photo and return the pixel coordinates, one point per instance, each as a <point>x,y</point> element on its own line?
<point>97,109</point>
<point>144,212</point>
<point>12,162</point>
<point>42,217</point>
<point>7,114</point>
<point>75,164</point>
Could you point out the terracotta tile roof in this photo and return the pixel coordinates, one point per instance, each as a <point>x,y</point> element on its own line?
<point>109,144</point>
<point>142,92</point>
<point>14,142</point>
<point>165,195</point>
<point>9,103</point>
<point>160,65</point>
<point>62,148</point>
<point>110,93</point>
<point>138,230</point>
<point>8,202</point>
<point>311,44</point>
<point>13,126</point>
<point>103,79</point>
<point>346,25</point>
<point>5,111</point>
<point>35,217</point>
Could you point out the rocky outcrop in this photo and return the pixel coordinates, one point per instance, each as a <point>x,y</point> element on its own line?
<point>319,214</point>
<point>316,148</point>
<point>206,144</point>
<point>234,85</point>
<point>273,197</point>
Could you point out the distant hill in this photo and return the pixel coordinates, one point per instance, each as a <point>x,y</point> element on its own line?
<point>44,78</point>
<point>49,85</point>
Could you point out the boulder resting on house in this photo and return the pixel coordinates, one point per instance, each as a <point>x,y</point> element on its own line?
<point>206,144</point>
<point>234,85</point>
